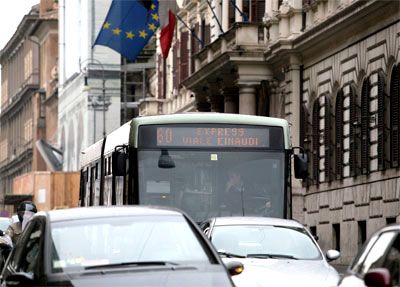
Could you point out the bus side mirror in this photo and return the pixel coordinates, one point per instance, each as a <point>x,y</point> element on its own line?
<point>119,163</point>
<point>300,166</point>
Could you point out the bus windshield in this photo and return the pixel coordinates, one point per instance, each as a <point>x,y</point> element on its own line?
<point>213,182</point>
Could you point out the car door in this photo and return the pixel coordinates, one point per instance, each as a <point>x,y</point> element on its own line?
<point>27,256</point>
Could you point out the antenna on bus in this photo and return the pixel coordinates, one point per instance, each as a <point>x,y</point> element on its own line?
<point>165,160</point>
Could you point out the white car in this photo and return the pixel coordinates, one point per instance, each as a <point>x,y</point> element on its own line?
<point>378,262</point>
<point>274,252</point>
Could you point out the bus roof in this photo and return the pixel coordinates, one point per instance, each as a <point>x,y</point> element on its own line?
<point>209,117</point>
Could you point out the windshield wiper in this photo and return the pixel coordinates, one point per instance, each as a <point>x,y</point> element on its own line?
<point>228,254</point>
<point>135,263</point>
<point>266,255</point>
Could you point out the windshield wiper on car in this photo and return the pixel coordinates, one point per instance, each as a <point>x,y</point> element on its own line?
<point>228,254</point>
<point>135,263</point>
<point>267,255</point>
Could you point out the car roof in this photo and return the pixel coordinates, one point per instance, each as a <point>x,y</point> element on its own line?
<point>248,220</point>
<point>105,211</point>
<point>391,227</point>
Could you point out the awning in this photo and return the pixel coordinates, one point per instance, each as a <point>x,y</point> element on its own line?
<point>51,155</point>
<point>11,199</point>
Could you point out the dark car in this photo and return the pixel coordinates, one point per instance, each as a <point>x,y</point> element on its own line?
<point>378,262</point>
<point>115,246</point>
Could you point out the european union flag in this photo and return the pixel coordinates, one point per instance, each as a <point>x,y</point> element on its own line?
<point>128,26</point>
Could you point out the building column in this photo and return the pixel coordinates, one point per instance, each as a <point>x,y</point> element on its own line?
<point>247,99</point>
<point>230,100</point>
<point>238,17</point>
<point>225,15</point>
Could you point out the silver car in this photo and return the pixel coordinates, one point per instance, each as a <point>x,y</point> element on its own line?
<point>378,262</point>
<point>274,252</point>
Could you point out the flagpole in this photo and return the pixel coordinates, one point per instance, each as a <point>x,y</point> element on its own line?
<point>191,31</point>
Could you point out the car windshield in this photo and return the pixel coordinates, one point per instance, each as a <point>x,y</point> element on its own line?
<point>78,244</point>
<point>264,241</point>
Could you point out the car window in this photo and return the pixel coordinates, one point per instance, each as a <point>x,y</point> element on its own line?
<point>392,261</point>
<point>31,249</point>
<point>89,242</point>
<point>376,255</point>
<point>265,239</point>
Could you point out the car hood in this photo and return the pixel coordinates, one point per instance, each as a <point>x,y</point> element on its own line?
<point>285,273</point>
<point>214,276</point>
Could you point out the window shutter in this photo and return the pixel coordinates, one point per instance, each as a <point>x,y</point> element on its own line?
<point>315,142</point>
<point>339,135</point>
<point>194,46</point>
<point>381,123</point>
<point>365,127</point>
<point>394,115</point>
<point>257,10</point>
<point>354,123</point>
<point>328,139</point>
<point>207,34</point>
<point>175,78</point>
<point>184,59</point>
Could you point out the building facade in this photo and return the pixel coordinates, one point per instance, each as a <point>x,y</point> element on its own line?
<point>331,68</point>
<point>28,96</point>
<point>89,80</point>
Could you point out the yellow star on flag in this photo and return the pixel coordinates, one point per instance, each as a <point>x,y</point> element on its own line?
<point>129,35</point>
<point>153,6</point>
<point>117,31</point>
<point>155,17</point>
<point>106,25</point>
<point>142,34</point>
<point>152,27</point>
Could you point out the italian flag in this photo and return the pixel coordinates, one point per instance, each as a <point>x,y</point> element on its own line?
<point>167,11</point>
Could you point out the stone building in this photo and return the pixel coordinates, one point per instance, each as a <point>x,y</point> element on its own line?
<point>28,97</point>
<point>331,68</point>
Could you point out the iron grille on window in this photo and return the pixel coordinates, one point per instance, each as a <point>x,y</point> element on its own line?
<point>394,115</point>
<point>365,130</point>
<point>339,135</point>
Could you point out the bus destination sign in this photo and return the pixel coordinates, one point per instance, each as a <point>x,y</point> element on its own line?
<point>224,136</point>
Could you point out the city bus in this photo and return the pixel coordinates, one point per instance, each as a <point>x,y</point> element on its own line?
<point>190,161</point>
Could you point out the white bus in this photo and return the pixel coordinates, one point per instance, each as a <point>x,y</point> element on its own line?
<point>188,161</point>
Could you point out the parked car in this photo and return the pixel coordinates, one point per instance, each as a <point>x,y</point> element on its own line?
<point>115,246</point>
<point>378,262</point>
<point>274,252</point>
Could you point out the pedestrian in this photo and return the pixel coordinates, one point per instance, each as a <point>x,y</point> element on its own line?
<point>25,211</point>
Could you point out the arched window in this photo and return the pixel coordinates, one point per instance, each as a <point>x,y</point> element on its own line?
<point>339,123</point>
<point>365,130</point>
<point>395,116</point>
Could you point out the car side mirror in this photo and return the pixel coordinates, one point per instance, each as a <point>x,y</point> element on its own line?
<point>377,277</point>
<point>332,255</point>
<point>119,159</point>
<point>300,165</point>
<point>19,279</point>
<point>234,267</point>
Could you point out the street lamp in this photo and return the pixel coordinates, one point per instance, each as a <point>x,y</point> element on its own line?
<point>94,102</point>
